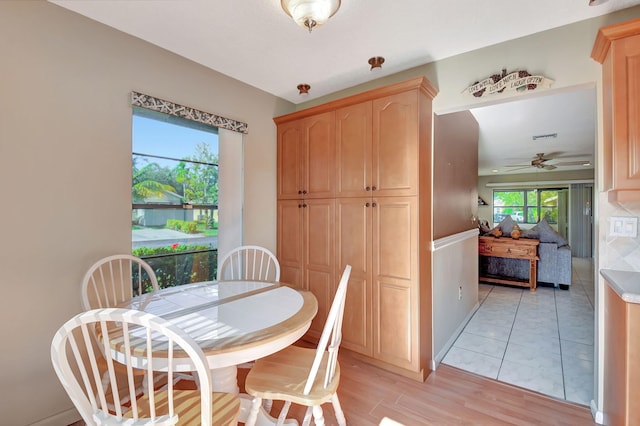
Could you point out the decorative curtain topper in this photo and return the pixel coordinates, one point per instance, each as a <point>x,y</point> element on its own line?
<point>516,80</point>
<point>177,110</point>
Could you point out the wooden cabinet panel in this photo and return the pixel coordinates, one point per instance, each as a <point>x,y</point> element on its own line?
<point>617,48</point>
<point>290,242</point>
<point>290,159</point>
<point>319,180</point>
<point>319,220</point>
<point>395,144</point>
<point>306,157</point>
<point>353,244</point>
<point>395,266</point>
<point>626,111</point>
<point>621,358</point>
<point>353,150</point>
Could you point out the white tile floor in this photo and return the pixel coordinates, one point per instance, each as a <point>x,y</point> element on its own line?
<point>541,341</point>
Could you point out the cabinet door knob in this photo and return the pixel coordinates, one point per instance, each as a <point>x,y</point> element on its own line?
<point>366,205</point>
<point>304,206</point>
<point>373,204</point>
<point>304,191</point>
<point>299,206</point>
<point>299,192</point>
<point>368,188</point>
<point>373,188</point>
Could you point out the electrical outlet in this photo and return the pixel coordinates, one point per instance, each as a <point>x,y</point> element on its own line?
<point>459,292</point>
<point>623,226</point>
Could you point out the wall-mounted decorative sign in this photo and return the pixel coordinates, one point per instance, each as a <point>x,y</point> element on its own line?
<point>516,80</point>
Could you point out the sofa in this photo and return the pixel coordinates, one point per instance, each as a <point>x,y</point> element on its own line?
<point>554,266</point>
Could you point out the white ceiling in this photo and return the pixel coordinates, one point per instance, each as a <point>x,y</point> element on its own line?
<point>257,43</point>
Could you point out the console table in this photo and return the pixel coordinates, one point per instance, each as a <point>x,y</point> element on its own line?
<point>524,248</point>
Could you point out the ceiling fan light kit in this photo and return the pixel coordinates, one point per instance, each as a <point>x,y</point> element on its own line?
<point>310,14</point>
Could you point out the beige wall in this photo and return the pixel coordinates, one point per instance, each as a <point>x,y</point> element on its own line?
<point>455,183</point>
<point>65,164</point>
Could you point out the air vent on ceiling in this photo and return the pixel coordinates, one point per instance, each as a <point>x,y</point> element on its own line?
<point>547,136</point>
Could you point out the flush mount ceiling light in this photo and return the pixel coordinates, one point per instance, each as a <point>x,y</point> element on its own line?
<point>376,63</point>
<point>303,89</point>
<point>310,13</point>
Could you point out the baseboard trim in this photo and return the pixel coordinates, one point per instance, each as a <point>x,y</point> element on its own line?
<point>598,416</point>
<point>64,418</point>
<point>440,355</point>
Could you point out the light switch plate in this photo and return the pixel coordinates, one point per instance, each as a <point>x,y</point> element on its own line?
<point>623,226</point>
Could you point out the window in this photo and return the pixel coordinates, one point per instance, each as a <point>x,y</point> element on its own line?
<point>526,205</point>
<point>174,195</point>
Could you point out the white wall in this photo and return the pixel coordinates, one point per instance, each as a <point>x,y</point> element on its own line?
<point>455,298</point>
<point>65,165</point>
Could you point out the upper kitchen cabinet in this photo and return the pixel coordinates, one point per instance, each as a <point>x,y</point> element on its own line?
<point>306,157</point>
<point>377,147</point>
<point>617,48</point>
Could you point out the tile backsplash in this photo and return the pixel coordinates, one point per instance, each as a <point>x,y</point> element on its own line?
<point>621,253</point>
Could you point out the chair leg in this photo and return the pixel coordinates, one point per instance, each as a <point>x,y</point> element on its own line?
<point>306,421</point>
<point>338,410</point>
<point>252,418</point>
<point>318,416</point>
<point>283,413</point>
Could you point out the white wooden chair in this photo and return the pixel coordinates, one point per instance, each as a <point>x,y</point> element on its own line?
<point>303,376</point>
<point>250,263</point>
<point>115,279</point>
<point>73,354</point>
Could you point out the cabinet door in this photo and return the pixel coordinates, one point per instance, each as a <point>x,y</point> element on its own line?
<point>395,144</point>
<point>290,239</point>
<point>320,154</point>
<point>626,107</point>
<point>290,159</point>
<point>354,248</point>
<point>395,278</point>
<point>353,150</point>
<point>319,226</point>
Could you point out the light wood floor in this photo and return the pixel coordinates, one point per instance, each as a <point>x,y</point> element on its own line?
<point>449,396</point>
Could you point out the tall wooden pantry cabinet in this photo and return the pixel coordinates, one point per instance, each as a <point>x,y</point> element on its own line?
<point>354,187</point>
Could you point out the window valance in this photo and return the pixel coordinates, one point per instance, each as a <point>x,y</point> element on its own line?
<point>177,110</point>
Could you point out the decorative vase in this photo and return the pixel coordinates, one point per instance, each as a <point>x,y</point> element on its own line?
<point>515,234</point>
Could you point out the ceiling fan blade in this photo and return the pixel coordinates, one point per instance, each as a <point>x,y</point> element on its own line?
<point>549,167</point>
<point>518,165</point>
<point>573,163</point>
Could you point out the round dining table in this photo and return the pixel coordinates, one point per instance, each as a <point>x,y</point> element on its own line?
<point>234,322</point>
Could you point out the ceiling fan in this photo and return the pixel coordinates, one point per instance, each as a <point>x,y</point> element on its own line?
<point>547,163</point>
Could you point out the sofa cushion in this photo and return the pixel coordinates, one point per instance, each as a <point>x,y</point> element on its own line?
<point>546,234</point>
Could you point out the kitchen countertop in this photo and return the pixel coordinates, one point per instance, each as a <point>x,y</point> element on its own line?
<point>625,283</point>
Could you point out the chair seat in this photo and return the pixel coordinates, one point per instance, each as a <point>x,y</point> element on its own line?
<point>226,407</point>
<point>283,375</point>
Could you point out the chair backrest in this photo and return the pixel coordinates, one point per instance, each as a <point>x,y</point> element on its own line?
<point>251,263</point>
<point>331,335</point>
<point>115,279</point>
<point>74,359</point>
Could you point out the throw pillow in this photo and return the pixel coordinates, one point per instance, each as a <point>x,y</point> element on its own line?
<point>547,234</point>
<point>506,225</point>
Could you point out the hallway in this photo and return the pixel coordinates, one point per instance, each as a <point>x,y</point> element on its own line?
<point>541,341</point>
